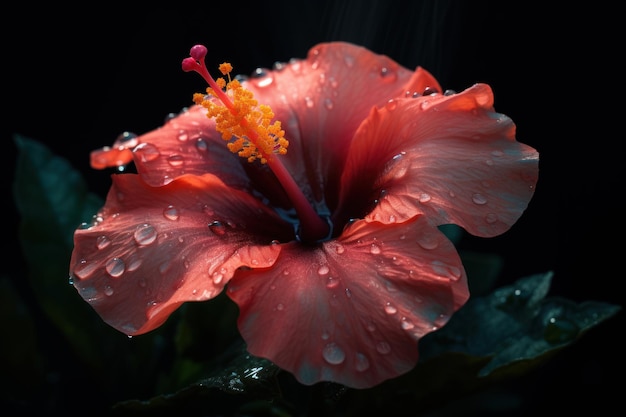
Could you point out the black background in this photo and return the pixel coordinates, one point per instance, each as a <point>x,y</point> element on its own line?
<point>75,78</point>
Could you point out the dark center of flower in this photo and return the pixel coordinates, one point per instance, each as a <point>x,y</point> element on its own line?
<point>246,126</point>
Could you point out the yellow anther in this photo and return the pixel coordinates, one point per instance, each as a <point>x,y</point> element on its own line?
<point>238,115</point>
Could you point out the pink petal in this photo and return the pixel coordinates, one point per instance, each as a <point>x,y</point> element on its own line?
<point>321,101</point>
<point>352,310</point>
<point>185,144</point>
<point>451,158</point>
<point>151,249</point>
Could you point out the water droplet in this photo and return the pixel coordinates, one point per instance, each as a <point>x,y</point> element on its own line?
<point>447,271</point>
<point>202,145</point>
<point>560,330</point>
<point>479,199</point>
<point>217,227</point>
<point>115,267</point>
<point>388,75</point>
<point>340,249</point>
<point>145,234</point>
<point>375,249</point>
<point>108,290</point>
<point>491,218</point>
<point>84,269</point>
<point>406,324</point>
<point>370,327</point>
<point>428,241</point>
<point>391,105</point>
<point>383,347</point>
<point>348,293</point>
<point>147,152</point>
<point>349,60</point>
<point>323,270</point>
<point>328,103</point>
<point>134,262</point>
<point>175,160</point>
<point>497,153</point>
<point>333,354</point>
<point>126,140</point>
<point>171,213</point>
<point>102,242</point>
<point>183,136</point>
<point>390,309</point>
<point>217,277</point>
<point>332,283</point>
<point>280,307</point>
<point>361,362</point>
<point>309,102</point>
<point>424,198</point>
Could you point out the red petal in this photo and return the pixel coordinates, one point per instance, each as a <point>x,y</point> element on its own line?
<point>151,249</point>
<point>352,310</point>
<point>321,101</point>
<point>185,144</point>
<point>451,158</point>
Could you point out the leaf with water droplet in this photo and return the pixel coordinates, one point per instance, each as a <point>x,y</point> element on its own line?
<point>515,324</point>
<point>236,380</point>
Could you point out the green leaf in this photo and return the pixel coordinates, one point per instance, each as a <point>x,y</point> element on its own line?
<point>238,381</point>
<point>52,201</point>
<point>516,325</point>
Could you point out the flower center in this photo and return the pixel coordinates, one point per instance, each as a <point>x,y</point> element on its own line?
<point>247,127</point>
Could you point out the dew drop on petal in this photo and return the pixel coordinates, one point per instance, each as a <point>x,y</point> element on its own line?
<point>383,347</point>
<point>332,283</point>
<point>478,198</point>
<point>328,103</point>
<point>390,309</point>
<point>175,160</point>
<point>428,241</point>
<point>108,290</point>
<point>84,269</point>
<point>134,262</point>
<point>491,218</point>
<point>333,354</point>
<point>280,306</point>
<point>115,267</point>
<point>424,198</point>
<point>375,249</point>
<point>217,227</point>
<point>147,152</point>
<point>406,324</point>
<point>145,234</point>
<point>102,242</point>
<point>202,145</point>
<point>182,136</point>
<point>309,102</point>
<point>340,249</point>
<point>217,277</point>
<point>361,362</point>
<point>171,213</point>
<point>391,105</point>
<point>126,140</point>
<point>323,270</point>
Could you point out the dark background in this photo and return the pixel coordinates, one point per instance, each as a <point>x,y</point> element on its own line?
<point>75,78</point>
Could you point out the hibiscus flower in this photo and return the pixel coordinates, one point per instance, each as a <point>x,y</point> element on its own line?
<point>325,234</point>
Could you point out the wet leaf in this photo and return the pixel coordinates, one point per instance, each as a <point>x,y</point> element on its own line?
<point>516,325</point>
<point>239,380</point>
